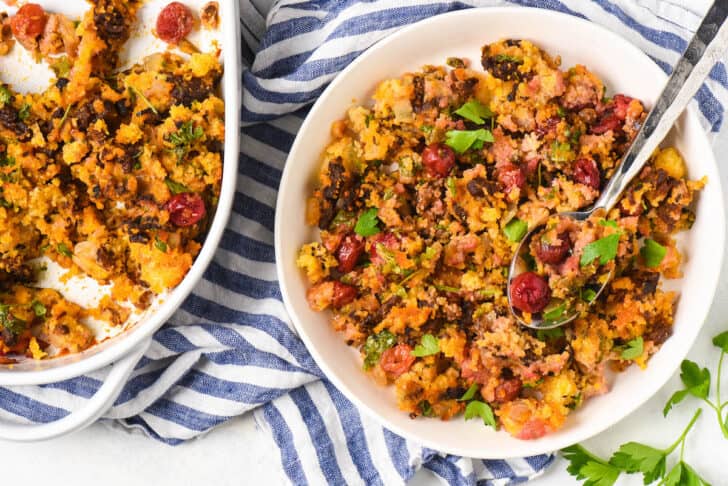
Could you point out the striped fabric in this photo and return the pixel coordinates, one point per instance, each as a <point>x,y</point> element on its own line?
<point>231,347</point>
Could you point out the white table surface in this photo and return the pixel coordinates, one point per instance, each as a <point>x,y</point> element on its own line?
<point>237,453</point>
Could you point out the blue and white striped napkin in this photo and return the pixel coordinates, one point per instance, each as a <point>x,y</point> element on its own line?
<point>231,347</point>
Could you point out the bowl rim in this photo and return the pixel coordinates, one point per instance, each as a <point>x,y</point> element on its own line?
<point>123,344</point>
<point>289,174</point>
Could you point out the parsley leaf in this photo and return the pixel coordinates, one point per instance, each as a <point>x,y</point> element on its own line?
<point>451,186</point>
<point>684,475</point>
<point>375,345</point>
<point>508,58</point>
<point>468,395</point>
<point>9,322</point>
<point>584,465</point>
<point>604,248</point>
<point>608,223</point>
<point>544,334</point>
<point>560,152</point>
<point>480,409</point>
<point>721,340</point>
<point>64,250</point>
<point>652,252</point>
<point>635,457</point>
<point>175,187</point>
<point>24,112</point>
<point>676,398</point>
<point>474,111</point>
<point>697,381</point>
<point>367,224</point>
<point>183,138</point>
<point>5,95</point>
<point>588,295</point>
<point>160,245</point>
<point>633,348</point>
<point>515,230</point>
<point>462,140</point>
<point>38,308</point>
<point>446,288</point>
<point>62,67</point>
<point>428,346</point>
<point>426,408</point>
<point>554,313</point>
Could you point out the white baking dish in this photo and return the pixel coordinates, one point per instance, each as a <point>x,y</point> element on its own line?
<point>124,349</point>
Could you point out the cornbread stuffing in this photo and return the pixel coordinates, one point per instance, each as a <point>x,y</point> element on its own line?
<point>113,175</point>
<point>425,193</point>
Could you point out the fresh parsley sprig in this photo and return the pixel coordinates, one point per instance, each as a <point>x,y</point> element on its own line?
<point>631,458</point>
<point>697,384</point>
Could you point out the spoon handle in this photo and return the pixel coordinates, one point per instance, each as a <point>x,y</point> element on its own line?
<point>704,50</point>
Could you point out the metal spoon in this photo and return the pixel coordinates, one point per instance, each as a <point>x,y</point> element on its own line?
<point>704,50</point>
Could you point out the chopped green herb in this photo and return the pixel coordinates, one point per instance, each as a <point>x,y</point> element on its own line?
<point>64,250</point>
<point>24,112</point>
<point>508,58</point>
<point>605,249</point>
<point>426,129</point>
<point>446,288</point>
<point>608,223</point>
<point>183,139</point>
<point>588,295</point>
<point>5,95</point>
<point>653,253</point>
<point>455,62</point>
<point>545,334</point>
<point>138,93</point>
<point>515,230</point>
<point>38,308</point>
<point>560,151</point>
<point>426,408</point>
<point>462,140</point>
<point>65,115</point>
<point>62,67</point>
<point>6,161</point>
<point>9,322</point>
<point>575,137</point>
<point>137,165</point>
<point>561,112</point>
<point>633,349</point>
<point>401,292</point>
<point>175,187</point>
<point>343,218</point>
<point>554,313</point>
<point>451,186</point>
<point>428,346</point>
<point>480,409</point>
<point>368,223</point>
<point>160,245</point>
<point>470,393</point>
<point>375,345</point>
<point>475,112</point>
<point>368,119</point>
<point>430,253</point>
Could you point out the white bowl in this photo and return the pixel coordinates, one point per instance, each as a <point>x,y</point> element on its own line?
<point>625,69</point>
<point>125,349</point>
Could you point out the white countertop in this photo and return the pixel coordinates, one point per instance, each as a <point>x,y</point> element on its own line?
<point>237,453</point>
